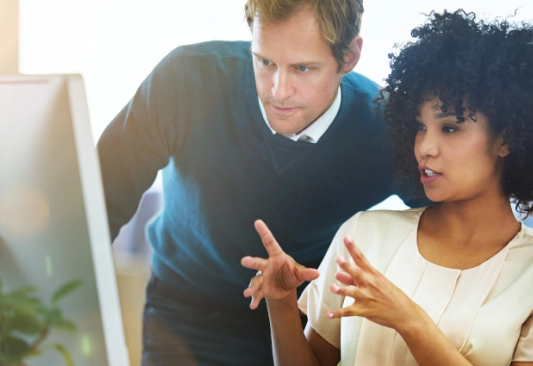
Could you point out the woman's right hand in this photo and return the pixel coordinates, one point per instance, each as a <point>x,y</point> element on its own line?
<point>278,275</point>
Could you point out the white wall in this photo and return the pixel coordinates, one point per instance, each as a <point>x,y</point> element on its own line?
<point>115,43</point>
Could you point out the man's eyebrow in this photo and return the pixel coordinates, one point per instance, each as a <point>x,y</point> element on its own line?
<point>306,64</point>
<point>258,55</point>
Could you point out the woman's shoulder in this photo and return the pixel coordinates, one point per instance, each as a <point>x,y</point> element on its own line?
<point>376,221</point>
<point>521,246</point>
<point>379,233</point>
<point>390,220</point>
<point>401,215</point>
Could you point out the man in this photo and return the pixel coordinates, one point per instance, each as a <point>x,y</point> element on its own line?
<point>279,130</point>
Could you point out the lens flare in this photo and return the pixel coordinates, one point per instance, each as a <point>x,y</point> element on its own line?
<point>24,211</point>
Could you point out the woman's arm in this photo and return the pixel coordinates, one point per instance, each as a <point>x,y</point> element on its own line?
<point>276,281</point>
<point>290,346</point>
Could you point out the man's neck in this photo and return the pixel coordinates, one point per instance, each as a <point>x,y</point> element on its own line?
<point>316,129</point>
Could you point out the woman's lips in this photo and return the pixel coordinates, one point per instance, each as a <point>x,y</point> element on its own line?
<point>428,176</point>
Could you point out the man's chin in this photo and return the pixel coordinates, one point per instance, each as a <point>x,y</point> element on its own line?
<point>284,127</point>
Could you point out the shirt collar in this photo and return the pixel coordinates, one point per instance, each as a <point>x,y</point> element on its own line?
<point>315,130</point>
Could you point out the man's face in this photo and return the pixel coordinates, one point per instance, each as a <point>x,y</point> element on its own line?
<point>295,71</point>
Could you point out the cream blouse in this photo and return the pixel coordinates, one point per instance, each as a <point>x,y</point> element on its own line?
<point>485,311</point>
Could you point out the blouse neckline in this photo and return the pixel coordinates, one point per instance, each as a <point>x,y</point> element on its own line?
<point>494,257</point>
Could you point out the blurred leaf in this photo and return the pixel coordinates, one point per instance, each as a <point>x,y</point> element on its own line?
<point>13,349</point>
<point>25,314</point>
<point>64,324</point>
<point>28,325</point>
<point>66,356</point>
<point>22,292</point>
<point>50,315</point>
<point>65,290</point>
<point>23,306</point>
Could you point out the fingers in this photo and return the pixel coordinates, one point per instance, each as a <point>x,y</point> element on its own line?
<point>256,263</point>
<point>345,278</point>
<point>271,245</point>
<point>353,310</point>
<point>358,256</point>
<point>254,290</point>
<point>351,269</point>
<point>351,291</point>
<point>339,313</point>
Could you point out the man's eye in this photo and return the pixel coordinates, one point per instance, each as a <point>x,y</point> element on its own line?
<point>265,62</point>
<point>303,68</point>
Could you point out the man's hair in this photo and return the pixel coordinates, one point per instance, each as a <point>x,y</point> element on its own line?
<point>486,67</point>
<point>340,20</point>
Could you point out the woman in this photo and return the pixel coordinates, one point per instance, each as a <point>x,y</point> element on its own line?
<point>449,284</point>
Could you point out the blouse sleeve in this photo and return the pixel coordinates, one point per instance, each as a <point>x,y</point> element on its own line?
<point>524,347</point>
<point>317,298</point>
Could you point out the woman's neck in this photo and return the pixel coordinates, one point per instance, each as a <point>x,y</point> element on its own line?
<point>463,234</point>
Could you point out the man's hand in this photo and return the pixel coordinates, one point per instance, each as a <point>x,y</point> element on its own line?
<point>277,275</point>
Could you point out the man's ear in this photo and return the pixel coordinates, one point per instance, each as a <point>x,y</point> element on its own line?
<point>352,58</point>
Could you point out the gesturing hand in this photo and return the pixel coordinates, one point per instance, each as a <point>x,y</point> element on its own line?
<point>277,275</point>
<point>376,298</point>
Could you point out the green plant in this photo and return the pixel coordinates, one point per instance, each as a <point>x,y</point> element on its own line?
<point>25,323</point>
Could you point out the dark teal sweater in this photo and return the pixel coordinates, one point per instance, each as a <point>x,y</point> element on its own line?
<point>197,116</point>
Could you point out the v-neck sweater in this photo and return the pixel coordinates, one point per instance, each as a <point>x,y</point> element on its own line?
<point>196,116</point>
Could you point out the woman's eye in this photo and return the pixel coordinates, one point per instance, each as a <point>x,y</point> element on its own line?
<point>265,62</point>
<point>449,129</point>
<point>303,68</point>
<point>420,127</point>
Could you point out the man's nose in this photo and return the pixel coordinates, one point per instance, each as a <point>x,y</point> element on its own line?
<point>282,87</point>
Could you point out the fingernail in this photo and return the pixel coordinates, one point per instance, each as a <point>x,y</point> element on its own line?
<point>335,288</point>
<point>340,260</point>
<point>329,315</point>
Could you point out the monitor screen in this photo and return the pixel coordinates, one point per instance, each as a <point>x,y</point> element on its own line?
<point>53,222</point>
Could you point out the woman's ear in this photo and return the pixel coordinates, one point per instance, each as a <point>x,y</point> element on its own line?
<point>503,146</point>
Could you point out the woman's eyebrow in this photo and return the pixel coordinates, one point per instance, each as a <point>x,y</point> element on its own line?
<point>446,114</point>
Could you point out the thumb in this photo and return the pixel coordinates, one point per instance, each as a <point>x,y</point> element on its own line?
<point>307,274</point>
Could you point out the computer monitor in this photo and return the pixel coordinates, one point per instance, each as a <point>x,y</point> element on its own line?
<point>53,222</point>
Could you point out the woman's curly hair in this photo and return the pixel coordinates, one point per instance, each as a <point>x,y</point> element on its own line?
<point>456,57</point>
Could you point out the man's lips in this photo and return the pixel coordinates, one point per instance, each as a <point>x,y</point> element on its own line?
<point>283,110</point>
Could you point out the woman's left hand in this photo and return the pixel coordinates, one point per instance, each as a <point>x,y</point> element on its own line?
<point>376,298</point>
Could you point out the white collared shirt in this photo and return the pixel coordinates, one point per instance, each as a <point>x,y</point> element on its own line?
<point>315,130</point>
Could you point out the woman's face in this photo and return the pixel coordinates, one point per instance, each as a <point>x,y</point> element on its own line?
<point>457,161</point>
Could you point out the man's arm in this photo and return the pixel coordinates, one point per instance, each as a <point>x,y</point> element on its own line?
<point>139,141</point>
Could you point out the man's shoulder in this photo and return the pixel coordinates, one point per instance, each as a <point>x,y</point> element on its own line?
<point>205,60</point>
<point>361,83</point>
<point>214,49</point>
<point>361,93</point>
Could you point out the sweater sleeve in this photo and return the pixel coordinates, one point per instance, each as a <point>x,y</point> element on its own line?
<point>141,139</point>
